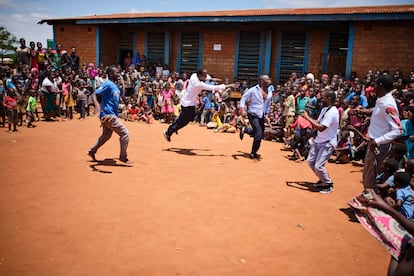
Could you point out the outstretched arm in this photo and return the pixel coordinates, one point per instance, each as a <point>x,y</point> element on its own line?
<point>379,203</point>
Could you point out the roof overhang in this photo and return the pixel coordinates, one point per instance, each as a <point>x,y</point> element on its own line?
<point>378,13</point>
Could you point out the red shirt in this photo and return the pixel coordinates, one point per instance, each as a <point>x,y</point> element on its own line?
<point>10,103</point>
<point>133,111</point>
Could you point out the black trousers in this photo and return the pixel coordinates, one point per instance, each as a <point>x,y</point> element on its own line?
<point>187,115</point>
<point>256,131</point>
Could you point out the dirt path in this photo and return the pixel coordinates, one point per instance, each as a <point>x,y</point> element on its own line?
<point>195,206</point>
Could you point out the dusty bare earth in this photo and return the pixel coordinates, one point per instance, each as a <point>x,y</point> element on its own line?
<point>195,206</point>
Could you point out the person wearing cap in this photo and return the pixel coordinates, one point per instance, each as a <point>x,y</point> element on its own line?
<point>385,126</point>
<point>195,86</point>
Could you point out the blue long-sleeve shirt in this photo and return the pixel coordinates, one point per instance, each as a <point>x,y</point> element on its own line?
<point>110,94</point>
<point>257,106</point>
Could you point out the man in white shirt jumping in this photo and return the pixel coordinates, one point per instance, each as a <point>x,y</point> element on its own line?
<point>195,86</point>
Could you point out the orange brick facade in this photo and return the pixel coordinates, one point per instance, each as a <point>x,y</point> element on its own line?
<point>220,63</point>
<point>383,46</point>
<point>377,45</point>
<point>83,37</point>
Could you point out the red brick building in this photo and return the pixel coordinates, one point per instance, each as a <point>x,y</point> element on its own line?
<point>247,43</point>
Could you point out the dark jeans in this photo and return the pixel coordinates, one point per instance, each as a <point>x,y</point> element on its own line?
<point>187,115</point>
<point>256,131</point>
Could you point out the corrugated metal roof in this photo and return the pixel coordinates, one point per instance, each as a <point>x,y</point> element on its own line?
<point>395,9</point>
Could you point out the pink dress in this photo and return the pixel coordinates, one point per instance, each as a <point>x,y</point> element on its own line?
<point>167,103</point>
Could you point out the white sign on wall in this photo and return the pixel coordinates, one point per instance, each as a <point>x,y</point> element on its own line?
<point>217,47</point>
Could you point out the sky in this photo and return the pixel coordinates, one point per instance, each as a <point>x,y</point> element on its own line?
<point>20,17</point>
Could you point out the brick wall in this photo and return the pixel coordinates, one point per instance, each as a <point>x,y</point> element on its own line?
<point>377,45</point>
<point>173,51</point>
<point>384,46</point>
<point>109,47</point>
<point>317,41</point>
<point>219,63</point>
<point>83,37</point>
<point>140,43</point>
<point>273,62</point>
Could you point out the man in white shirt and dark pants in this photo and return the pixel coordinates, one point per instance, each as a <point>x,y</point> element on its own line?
<point>325,140</point>
<point>259,98</point>
<point>196,84</point>
<point>384,127</point>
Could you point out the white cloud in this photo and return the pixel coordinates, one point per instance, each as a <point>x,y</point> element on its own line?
<point>25,25</point>
<point>139,11</point>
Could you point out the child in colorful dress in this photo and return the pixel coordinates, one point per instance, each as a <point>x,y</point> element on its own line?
<point>67,102</point>
<point>167,108</point>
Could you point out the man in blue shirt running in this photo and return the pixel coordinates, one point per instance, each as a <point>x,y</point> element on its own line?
<point>110,93</point>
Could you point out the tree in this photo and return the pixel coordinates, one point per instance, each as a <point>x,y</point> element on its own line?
<point>7,43</point>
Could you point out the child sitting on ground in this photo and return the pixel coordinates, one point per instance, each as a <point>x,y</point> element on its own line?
<point>398,152</point>
<point>299,144</point>
<point>145,114</point>
<point>343,150</point>
<point>403,196</point>
<point>385,180</point>
<point>215,120</point>
<point>133,113</point>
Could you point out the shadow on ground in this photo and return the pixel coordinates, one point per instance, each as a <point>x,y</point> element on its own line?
<point>105,163</point>
<point>303,185</point>
<point>191,152</point>
<point>350,213</point>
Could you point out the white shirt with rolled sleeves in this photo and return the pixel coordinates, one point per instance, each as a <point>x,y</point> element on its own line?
<point>195,86</point>
<point>385,124</point>
<point>257,106</point>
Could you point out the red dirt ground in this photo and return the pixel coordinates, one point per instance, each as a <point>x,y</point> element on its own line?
<point>195,206</point>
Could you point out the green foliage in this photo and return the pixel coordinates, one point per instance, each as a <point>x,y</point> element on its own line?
<point>8,43</point>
